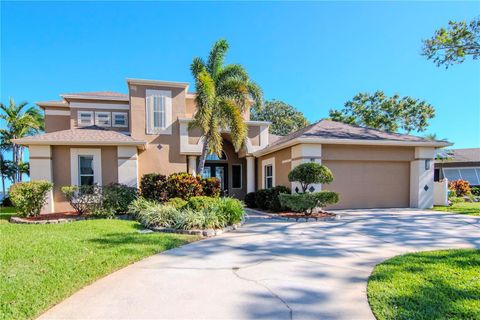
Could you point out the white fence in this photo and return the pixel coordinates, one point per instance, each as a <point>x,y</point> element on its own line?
<point>440,193</point>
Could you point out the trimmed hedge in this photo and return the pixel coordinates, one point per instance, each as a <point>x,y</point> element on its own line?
<point>29,197</point>
<point>267,199</point>
<point>306,202</point>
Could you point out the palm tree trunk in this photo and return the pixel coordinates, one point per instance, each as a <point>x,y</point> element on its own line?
<point>20,160</point>
<point>201,162</point>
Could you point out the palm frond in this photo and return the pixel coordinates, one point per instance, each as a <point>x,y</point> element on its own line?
<point>232,115</point>
<point>197,66</point>
<point>232,71</point>
<point>216,57</point>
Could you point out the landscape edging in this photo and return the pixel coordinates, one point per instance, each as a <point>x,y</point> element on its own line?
<point>276,216</point>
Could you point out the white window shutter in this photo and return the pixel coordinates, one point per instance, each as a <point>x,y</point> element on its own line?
<point>168,109</point>
<point>148,113</point>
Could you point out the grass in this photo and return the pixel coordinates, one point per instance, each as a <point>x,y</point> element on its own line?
<point>470,208</point>
<point>427,285</point>
<point>40,265</point>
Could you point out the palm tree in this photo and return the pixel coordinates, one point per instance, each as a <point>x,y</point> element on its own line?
<point>20,122</point>
<point>224,92</point>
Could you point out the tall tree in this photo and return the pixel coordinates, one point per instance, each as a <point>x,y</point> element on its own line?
<point>285,118</point>
<point>21,121</point>
<point>385,113</point>
<point>224,92</point>
<point>453,44</point>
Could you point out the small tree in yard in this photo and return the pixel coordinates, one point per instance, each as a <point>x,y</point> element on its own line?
<point>307,174</point>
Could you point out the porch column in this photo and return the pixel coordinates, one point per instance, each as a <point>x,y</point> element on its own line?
<point>250,174</point>
<point>41,169</point>
<point>192,165</point>
<point>303,153</point>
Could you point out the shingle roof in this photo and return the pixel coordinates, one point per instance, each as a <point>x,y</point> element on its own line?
<point>335,132</point>
<point>87,135</point>
<point>460,155</point>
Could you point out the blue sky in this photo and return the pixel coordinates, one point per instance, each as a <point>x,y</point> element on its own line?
<point>314,56</point>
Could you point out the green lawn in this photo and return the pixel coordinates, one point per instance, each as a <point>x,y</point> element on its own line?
<point>40,265</point>
<point>427,285</point>
<point>470,208</point>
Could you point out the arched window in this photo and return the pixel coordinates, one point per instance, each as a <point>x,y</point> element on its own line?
<point>214,157</point>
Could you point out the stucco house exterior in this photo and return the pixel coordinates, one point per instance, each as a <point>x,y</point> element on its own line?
<point>106,137</point>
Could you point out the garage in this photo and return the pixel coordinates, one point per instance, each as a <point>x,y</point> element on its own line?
<point>370,184</point>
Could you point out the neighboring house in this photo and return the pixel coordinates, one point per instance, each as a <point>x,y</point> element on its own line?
<point>107,137</point>
<point>455,164</point>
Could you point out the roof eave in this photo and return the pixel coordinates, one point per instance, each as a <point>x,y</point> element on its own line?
<point>174,84</point>
<point>27,142</point>
<point>93,97</point>
<point>434,144</point>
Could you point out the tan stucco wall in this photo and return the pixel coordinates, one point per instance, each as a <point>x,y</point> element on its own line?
<point>56,123</point>
<point>281,169</point>
<point>194,135</point>
<point>62,175</point>
<point>232,158</point>
<point>163,151</point>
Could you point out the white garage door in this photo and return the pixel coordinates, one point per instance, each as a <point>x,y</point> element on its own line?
<point>370,184</point>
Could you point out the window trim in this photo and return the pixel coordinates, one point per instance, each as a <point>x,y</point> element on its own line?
<point>125,114</point>
<point>79,118</point>
<point>268,162</point>
<point>241,175</point>
<point>101,113</point>
<point>74,164</point>
<point>80,175</point>
<point>150,94</point>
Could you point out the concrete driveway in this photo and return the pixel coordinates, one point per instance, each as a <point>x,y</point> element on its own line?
<point>270,269</point>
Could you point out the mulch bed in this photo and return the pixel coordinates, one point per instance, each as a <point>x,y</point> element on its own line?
<point>54,216</point>
<point>297,215</point>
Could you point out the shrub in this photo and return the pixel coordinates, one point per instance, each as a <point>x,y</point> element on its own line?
<point>211,187</point>
<point>456,199</point>
<point>308,173</point>
<point>30,197</point>
<point>183,185</point>
<point>201,202</point>
<point>262,198</point>
<point>250,200</point>
<point>177,203</point>
<point>83,199</point>
<point>105,213</point>
<point>117,197</point>
<point>268,199</point>
<point>153,186</point>
<point>460,187</point>
<point>7,202</point>
<point>139,206</point>
<point>306,202</point>
<point>230,208</point>
<point>475,191</point>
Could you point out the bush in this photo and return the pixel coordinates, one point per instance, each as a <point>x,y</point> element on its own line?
<point>177,203</point>
<point>117,197</point>
<point>456,199</point>
<point>306,202</point>
<point>230,208</point>
<point>250,200</point>
<point>30,197</point>
<point>183,185</point>
<point>308,173</point>
<point>460,187</point>
<point>105,213</point>
<point>222,212</point>
<point>475,191</point>
<point>83,199</point>
<point>268,199</point>
<point>211,187</point>
<point>153,186</point>
<point>201,202</point>
<point>7,202</point>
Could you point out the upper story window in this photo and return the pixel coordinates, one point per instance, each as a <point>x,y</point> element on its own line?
<point>85,118</point>
<point>158,111</point>
<point>120,119</point>
<point>102,119</point>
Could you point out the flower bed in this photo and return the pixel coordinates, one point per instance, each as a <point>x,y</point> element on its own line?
<point>59,217</point>
<point>298,216</point>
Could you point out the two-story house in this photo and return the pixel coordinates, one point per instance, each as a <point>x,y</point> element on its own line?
<point>106,137</point>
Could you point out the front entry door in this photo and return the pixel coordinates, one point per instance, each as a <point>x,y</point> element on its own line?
<point>219,171</point>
